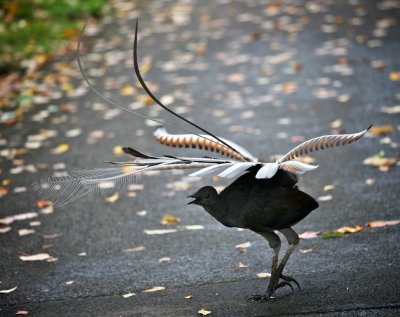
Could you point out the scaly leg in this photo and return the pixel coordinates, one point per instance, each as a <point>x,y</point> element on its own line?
<point>275,243</point>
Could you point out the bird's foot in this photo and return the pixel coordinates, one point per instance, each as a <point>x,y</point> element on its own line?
<point>261,298</point>
<point>289,280</point>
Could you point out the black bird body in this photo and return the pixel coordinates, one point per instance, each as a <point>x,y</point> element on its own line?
<point>259,204</point>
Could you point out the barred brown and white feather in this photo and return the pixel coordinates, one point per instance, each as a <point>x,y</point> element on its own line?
<point>201,142</point>
<point>321,143</point>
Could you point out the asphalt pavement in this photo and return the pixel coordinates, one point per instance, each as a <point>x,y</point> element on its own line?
<point>265,74</point>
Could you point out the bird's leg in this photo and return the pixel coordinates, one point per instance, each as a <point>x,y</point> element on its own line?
<point>293,240</point>
<point>275,243</point>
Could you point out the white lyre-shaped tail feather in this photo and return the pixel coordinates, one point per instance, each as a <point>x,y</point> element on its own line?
<point>321,143</point>
<point>267,170</point>
<point>205,142</point>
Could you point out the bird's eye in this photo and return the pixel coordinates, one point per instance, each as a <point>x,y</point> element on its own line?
<point>207,196</point>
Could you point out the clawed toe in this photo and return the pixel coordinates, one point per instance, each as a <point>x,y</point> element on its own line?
<point>290,279</point>
<point>260,298</point>
<point>283,284</point>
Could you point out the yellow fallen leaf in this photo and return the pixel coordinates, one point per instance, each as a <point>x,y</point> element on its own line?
<point>394,76</point>
<point>62,148</point>
<point>382,223</point>
<point>381,129</point>
<point>349,229</point>
<point>168,219</point>
<point>189,297</point>
<point>112,199</point>
<point>154,289</point>
<point>336,124</point>
<point>379,161</point>
<point>127,90</point>
<point>204,312</point>
<point>263,275</point>
<point>118,150</point>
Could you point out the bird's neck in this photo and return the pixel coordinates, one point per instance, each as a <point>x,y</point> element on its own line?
<point>220,212</point>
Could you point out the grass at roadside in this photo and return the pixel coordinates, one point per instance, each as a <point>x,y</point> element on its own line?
<point>30,28</point>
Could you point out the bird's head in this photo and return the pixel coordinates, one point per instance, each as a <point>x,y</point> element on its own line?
<point>205,196</point>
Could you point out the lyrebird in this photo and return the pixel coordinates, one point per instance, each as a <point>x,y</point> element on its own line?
<point>263,198</point>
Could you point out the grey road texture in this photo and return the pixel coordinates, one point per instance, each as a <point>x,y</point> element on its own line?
<point>265,74</point>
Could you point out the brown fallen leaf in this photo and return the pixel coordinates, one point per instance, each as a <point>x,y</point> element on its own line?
<point>243,247</point>
<point>346,229</point>
<point>309,235</point>
<point>204,312</point>
<point>169,219</point>
<point>381,129</point>
<point>3,191</point>
<point>382,223</point>
<point>44,203</point>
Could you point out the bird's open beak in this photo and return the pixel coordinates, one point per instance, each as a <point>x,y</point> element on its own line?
<point>193,201</point>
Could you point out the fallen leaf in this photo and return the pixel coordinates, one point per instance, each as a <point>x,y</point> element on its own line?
<point>194,227</point>
<point>5,229</point>
<point>118,150</point>
<point>188,297</point>
<point>62,148</point>
<point>127,295</point>
<point>154,289</point>
<point>380,162</point>
<point>44,203</point>
<point>137,249</point>
<point>3,191</point>
<point>309,235</point>
<point>382,223</point>
<point>325,198</point>
<point>35,257</point>
<point>331,234</point>
<point>164,259</point>
<point>7,291</point>
<point>160,231</point>
<point>204,312</point>
<point>127,90</point>
<point>141,213</point>
<point>381,129</point>
<point>263,275</point>
<point>242,265</point>
<point>22,312</point>
<point>243,247</point>
<point>24,216</point>
<point>25,232</point>
<point>69,282</point>
<point>394,76</point>
<point>336,124</point>
<point>391,110</point>
<point>329,187</point>
<point>349,229</point>
<point>370,181</point>
<point>305,250</point>
<point>112,199</point>
<point>168,219</point>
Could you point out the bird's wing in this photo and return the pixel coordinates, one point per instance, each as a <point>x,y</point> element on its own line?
<point>205,142</point>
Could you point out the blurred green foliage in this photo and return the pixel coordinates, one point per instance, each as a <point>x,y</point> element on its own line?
<point>34,27</point>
